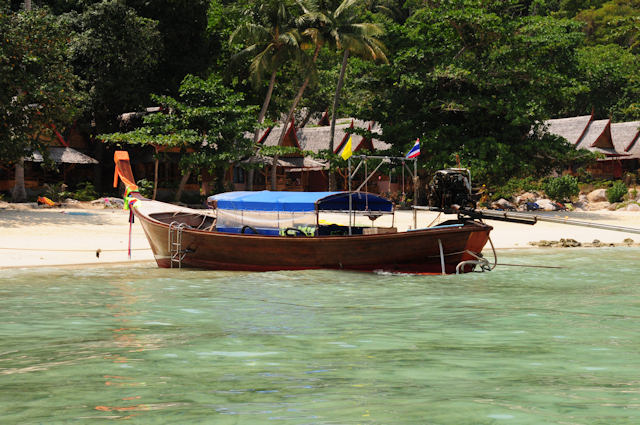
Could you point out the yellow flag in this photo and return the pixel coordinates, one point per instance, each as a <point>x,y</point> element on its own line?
<point>346,151</point>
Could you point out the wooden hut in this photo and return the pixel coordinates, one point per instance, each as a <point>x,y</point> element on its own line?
<point>615,141</point>
<point>297,172</point>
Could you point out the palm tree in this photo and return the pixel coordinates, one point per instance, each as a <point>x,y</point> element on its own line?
<point>343,31</point>
<point>19,192</point>
<point>272,41</point>
<point>315,39</point>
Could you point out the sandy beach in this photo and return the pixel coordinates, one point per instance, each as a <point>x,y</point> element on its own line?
<point>32,237</point>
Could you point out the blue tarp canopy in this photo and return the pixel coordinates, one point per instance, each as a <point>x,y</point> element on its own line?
<point>300,201</point>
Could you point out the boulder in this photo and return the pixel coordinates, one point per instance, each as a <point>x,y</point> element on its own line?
<point>579,206</point>
<point>569,243</point>
<point>108,202</point>
<point>502,204</point>
<point>595,206</point>
<point>598,195</point>
<point>526,197</point>
<point>546,205</point>
<point>633,207</point>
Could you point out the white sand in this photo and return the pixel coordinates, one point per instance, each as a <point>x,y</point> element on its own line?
<point>38,237</point>
<point>48,237</point>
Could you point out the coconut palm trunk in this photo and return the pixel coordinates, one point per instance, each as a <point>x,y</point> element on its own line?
<point>155,174</point>
<point>183,182</point>
<point>256,134</point>
<point>292,110</point>
<point>19,192</point>
<point>336,98</point>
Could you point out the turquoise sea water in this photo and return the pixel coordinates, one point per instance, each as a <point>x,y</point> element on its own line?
<point>151,346</point>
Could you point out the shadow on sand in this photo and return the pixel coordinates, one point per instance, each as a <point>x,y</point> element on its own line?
<point>53,217</point>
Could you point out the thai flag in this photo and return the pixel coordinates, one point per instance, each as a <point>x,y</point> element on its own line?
<point>415,150</point>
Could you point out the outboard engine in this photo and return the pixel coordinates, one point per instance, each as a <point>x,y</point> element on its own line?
<point>450,189</point>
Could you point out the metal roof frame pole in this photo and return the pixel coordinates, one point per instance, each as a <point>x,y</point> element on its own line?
<point>415,192</point>
<point>350,195</point>
<point>368,176</point>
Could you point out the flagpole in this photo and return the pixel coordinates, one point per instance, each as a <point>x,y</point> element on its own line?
<point>350,200</point>
<point>415,192</point>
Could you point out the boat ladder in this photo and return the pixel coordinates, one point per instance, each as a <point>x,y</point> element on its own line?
<point>176,252</point>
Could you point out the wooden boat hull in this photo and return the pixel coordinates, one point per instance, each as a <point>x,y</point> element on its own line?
<point>405,252</point>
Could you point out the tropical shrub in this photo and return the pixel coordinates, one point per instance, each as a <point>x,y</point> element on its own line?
<point>85,191</point>
<point>145,187</point>
<point>562,188</point>
<point>56,191</point>
<point>616,192</point>
<point>514,186</point>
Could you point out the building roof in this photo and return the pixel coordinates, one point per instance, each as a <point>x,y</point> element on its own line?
<point>63,155</point>
<point>615,140</point>
<point>315,139</point>
<point>626,137</point>
<point>597,138</point>
<point>291,164</point>
<point>572,128</point>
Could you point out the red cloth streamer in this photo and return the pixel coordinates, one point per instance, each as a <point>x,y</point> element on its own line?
<point>130,228</point>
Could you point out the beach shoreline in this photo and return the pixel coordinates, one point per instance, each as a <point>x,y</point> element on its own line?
<point>78,237</point>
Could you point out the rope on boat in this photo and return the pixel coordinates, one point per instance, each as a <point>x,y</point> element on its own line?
<point>73,250</point>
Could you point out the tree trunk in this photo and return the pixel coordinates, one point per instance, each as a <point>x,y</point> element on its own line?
<point>274,173</point>
<point>336,98</point>
<point>155,178</point>
<point>292,110</point>
<point>19,192</point>
<point>256,134</point>
<point>183,182</point>
<point>297,98</point>
<point>306,119</point>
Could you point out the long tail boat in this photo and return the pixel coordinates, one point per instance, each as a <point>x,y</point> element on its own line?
<point>263,231</point>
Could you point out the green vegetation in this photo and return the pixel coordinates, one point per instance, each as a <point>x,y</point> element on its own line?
<point>58,192</point>
<point>562,188</point>
<point>472,78</point>
<point>84,192</point>
<point>145,187</point>
<point>617,192</point>
<point>515,186</point>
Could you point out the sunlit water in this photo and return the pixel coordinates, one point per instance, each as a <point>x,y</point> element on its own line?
<point>150,346</point>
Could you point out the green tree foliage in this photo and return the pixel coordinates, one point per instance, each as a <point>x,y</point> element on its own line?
<point>469,77</point>
<point>186,45</point>
<point>562,188</point>
<point>37,87</point>
<point>615,22</point>
<point>340,25</point>
<point>114,50</point>
<point>472,78</point>
<point>207,122</point>
<point>271,40</point>
<point>616,192</point>
<point>611,76</point>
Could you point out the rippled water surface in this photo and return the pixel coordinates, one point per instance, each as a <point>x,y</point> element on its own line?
<point>150,346</point>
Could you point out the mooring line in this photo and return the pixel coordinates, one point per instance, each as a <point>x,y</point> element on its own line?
<point>72,250</point>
